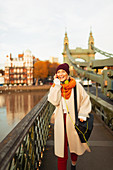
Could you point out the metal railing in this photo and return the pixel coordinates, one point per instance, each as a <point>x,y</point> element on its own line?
<point>102,108</point>
<point>23,148</point>
<point>101,52</point>
<point>105,79</point>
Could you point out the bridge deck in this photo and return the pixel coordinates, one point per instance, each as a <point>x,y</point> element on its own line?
<point>101,157</point>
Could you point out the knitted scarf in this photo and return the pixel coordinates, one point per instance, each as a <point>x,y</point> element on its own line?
<point>67,88</point>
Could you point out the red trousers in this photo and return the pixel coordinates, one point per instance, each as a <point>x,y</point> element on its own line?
<point>62,162</point>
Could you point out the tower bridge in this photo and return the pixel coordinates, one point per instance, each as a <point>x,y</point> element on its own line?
<point>29,146</point>
<point>86,54</point>
<point>91,65</point>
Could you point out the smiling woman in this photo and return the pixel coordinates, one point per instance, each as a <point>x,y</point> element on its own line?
<point>62,72</point>
<point>62,75</point>
<point>62,96</point>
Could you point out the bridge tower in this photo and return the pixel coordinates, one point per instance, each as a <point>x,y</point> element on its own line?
<point>90,41</point>
<point>79,53</point>
<point>66,44</point>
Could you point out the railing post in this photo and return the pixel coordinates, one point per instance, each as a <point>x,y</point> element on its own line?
<point>88,86</point>
<point>96,89</point>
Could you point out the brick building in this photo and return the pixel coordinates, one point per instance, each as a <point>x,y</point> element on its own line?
<point>19,70</point>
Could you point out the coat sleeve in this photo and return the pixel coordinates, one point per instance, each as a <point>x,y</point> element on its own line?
<point>84,107</point>
<point>54,95</point>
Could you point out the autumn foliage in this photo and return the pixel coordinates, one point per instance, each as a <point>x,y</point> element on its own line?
<point>52,68</point>
<point>40,70</point>
<point>43,69</point>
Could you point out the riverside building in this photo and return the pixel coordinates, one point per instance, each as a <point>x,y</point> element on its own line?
<point>19,71</point>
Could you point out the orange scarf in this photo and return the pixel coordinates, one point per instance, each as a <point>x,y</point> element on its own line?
<point>67,88</point>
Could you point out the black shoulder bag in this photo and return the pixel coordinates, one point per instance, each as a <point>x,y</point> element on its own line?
<point>84,128</point>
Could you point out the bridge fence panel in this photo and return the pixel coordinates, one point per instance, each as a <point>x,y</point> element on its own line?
<point>23,148</point>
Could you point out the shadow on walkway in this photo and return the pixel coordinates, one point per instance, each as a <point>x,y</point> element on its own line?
<point>100,158</point>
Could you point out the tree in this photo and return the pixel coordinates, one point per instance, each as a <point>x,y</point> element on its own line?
<point>40,70</point>
<point>52,68</point>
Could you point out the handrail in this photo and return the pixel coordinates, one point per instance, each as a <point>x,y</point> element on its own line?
<point>101,52</point>
<point>23,147</point>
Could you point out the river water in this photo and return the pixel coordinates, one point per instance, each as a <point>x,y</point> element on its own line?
<point>14,107</point>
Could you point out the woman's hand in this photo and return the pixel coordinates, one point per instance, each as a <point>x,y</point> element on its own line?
<point>56,80</point>
<point>55,76</point>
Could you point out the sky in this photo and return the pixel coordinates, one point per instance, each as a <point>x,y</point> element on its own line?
<point>40,25</point>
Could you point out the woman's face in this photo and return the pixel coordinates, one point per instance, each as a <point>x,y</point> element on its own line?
<point>62,75</point>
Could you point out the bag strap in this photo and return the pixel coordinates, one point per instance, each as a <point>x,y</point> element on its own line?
<point>75,103</point>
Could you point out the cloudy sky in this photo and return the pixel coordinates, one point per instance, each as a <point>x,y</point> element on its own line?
<point>39,25</point>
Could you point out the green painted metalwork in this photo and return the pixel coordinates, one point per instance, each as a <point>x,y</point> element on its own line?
<point>84,73</point>
<point>102,108</point>
<point>101,52</point>
<point>99,64</point>
<point>23,148</point>
<point>86,54</point>
<point>105,80</point>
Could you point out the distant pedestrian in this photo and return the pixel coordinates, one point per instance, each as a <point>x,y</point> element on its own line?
<point>61,95</point>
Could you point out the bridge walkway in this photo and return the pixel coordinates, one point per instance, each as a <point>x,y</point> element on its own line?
<point>100,158</point>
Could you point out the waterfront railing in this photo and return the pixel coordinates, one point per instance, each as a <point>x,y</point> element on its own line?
<point>23,147</point>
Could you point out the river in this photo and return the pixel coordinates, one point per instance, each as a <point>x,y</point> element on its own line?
<point>14,107</point>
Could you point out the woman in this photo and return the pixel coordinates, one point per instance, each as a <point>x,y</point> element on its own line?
<point>61,95</point>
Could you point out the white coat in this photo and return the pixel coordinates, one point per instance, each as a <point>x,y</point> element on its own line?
<point>84,108</point>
